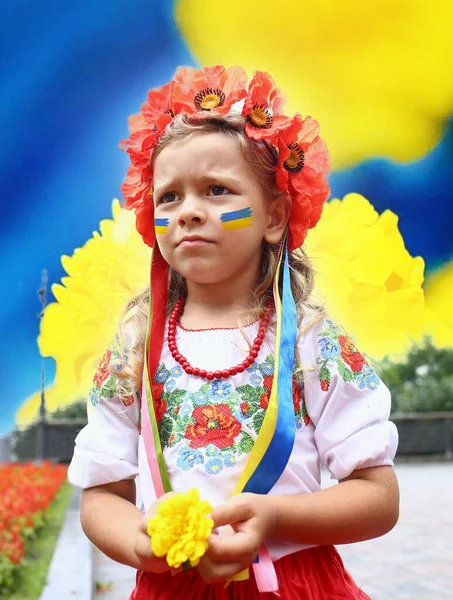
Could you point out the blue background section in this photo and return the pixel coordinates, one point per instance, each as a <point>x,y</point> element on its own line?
<point>71,74</point>
<point>70,77</point>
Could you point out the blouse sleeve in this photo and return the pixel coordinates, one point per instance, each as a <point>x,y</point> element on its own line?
<point>106,448</point>
<point>347,402</point>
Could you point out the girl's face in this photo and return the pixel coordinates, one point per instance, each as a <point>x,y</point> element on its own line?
<point>199,185</point>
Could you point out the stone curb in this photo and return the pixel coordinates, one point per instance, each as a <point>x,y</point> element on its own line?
<point>70,575</point>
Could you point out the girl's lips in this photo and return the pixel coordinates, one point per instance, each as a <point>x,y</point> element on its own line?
<point>195,243</point>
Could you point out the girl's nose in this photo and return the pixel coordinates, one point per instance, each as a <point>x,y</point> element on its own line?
<point>192,211</point>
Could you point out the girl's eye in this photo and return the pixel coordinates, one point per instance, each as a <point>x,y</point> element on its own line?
<point>168,197</point>
<point>218,190</point>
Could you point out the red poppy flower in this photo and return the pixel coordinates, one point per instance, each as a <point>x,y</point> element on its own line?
<point>135,191</point>
<point>140,146</point>
<point>103,370</point>
<point>144,221</point>
<point>213,425</point>
<point>159,102</point>
<point>208,89</point>
<point>351,355</point>
<point>303,164</point>
<point>262,108</point>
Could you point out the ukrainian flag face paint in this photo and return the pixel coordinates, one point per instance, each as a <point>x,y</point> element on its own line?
<point>237,219</point>
<point>161,225</point>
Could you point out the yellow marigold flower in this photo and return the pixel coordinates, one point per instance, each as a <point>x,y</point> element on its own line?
<point>355,66</point>
<point>181,528</point>
<point>372,285</point>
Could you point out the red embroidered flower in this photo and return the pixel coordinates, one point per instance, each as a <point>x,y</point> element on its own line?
<point>262,108</point>
<point>157,389</point>
<point>128,400</point>
<point>160,406</point>
<point>213,425</point>
<point>296,397</point>
<point>267,382</point>
<point>351,355</point>
<point>325,385</point>
<point>264,400</point>
<point>245,407</point>
<point>103,370</point>
<point>307,419</point>
<point>172,439</point>
<point>208,89</point>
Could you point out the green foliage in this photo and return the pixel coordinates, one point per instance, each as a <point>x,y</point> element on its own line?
<point>423,382</point>
<point>76,410</point>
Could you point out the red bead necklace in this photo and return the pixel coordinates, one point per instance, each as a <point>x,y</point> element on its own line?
<point>240,368</point>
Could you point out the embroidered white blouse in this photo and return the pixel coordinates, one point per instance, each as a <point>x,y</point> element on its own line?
<point>207,428</point>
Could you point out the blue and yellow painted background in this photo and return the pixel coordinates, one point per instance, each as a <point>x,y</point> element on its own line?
<point>378,77</point>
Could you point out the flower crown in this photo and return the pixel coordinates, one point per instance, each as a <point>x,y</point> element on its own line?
<point>303,161</point>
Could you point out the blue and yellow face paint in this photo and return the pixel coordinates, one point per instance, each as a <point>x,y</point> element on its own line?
<point>161,225</point>
<point>237,219</point>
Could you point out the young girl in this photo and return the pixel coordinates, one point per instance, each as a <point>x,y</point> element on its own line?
<point>226,375</point>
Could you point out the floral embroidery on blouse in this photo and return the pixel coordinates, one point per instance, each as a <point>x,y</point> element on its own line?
<point>338,349</point>
<point>216,424</point>
<point>104,382</point>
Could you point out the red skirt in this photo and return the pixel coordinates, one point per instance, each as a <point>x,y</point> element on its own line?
<point>314,574</point>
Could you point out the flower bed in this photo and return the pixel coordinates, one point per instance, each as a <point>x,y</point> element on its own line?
<point>26,492</point>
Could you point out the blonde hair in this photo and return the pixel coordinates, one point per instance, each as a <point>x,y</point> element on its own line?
<point>263,162</point>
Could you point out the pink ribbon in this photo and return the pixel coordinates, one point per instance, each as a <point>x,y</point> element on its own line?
<point>265,574</point>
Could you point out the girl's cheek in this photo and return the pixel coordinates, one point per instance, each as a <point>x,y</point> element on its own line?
<point>237,219</point>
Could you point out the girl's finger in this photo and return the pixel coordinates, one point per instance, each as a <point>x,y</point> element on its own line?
<point>238,509</point>
<point>232,548</point>
<point>215,572</point>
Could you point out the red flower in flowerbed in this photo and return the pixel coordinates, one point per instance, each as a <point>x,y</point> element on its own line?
<point>351,355</point>
<point>26,491</point>
<point>213,425</point>
<point>103,369</point>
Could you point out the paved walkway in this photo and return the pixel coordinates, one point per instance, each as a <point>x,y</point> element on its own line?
<point>413,562</point>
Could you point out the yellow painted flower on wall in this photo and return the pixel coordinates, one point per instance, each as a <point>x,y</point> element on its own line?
<point>439,294</point>
<point>378,76</point>
<point>102,277</point>
<point>372,285</point>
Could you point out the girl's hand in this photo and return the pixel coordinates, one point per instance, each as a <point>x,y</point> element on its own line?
<point>142,546</point>
<point>250,517</point>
